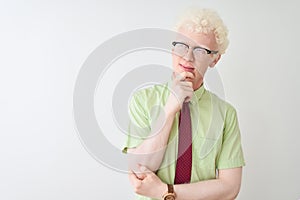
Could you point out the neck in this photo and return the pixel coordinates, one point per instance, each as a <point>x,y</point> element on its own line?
<point>198,86</point>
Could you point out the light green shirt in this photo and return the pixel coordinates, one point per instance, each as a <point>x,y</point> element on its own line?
<point>215,131</point>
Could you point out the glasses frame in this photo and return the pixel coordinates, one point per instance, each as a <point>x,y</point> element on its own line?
<point>198,47</point>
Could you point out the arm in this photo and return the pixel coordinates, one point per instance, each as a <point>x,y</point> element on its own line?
<point>151,151</point>
<point>225,187</point>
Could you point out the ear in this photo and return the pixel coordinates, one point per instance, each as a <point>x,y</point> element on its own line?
<point>215,61</point>
<point>172,51</point>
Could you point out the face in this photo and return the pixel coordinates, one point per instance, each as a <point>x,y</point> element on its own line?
<point>188,62</point>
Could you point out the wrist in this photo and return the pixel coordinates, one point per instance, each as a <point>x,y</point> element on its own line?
<point>170,194</point>
<point>171,108</point>
<point>163,189</point>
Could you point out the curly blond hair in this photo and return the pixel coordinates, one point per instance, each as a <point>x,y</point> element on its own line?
<point>205,21</point>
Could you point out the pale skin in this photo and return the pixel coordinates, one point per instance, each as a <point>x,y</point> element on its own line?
<point>188,76</point>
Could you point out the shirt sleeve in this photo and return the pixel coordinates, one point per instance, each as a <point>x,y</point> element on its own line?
<point>231,154</point>
<point>139,122</point>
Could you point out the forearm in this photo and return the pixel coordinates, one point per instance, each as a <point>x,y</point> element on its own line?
<point>208,190</point>
<point>226,187</point>
<point>151,151</point>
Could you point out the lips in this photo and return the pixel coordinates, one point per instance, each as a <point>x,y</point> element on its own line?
<point>187,68</point>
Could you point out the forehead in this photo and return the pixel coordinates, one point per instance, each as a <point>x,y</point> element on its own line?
<point>197,39</point>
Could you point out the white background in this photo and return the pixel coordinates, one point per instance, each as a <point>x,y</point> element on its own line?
<point>43,45</point>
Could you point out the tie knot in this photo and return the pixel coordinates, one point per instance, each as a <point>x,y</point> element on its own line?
<point>185,106</point>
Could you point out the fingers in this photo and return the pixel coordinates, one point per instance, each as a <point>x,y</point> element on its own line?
<point>149,185</point>
<point>181,91</point>
<point>182,80</point>
<point>142,172</point>
<point>183,76</point>
<point>186,91</point>
<point>139,175</point>
<point>187,85</point>
<point>134,180</point>
<point>134,177</point>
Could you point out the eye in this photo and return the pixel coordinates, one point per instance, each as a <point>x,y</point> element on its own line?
<point>180,46</point>
<point>200,51</point>
<point>180,49</point>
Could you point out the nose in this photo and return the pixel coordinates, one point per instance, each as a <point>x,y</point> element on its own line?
<point>189,55</point>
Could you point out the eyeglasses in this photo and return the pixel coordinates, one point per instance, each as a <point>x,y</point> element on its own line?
<point>181,49</point>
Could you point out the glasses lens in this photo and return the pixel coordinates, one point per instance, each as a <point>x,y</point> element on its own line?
<point>199,53</point>
<point>180,49</point>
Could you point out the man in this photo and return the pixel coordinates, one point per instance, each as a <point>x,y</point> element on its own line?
<point>163,164</point>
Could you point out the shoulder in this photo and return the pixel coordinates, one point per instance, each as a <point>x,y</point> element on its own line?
<point>151,94</point>
<point>220,104</point>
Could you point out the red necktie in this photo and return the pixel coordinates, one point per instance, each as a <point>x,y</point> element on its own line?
<point>184,160</point>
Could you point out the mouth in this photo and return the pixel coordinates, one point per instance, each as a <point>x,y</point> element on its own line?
<point>187,68</point>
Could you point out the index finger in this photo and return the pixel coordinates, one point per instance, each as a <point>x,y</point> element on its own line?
<point>188,75</point>
<point>184,75</point>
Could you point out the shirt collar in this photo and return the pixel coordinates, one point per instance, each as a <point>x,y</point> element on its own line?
<point>198,94</point>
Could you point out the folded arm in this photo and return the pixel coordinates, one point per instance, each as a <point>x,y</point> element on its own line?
<point>225,187</point>
<point>150,152</point>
